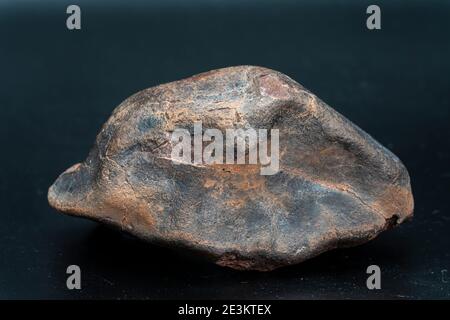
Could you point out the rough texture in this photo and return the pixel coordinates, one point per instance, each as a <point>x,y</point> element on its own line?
<point>336,186</point>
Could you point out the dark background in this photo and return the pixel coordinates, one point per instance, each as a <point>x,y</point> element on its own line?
<point>57,87</point>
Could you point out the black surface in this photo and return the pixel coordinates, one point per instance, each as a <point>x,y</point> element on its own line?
<point>58,87</point>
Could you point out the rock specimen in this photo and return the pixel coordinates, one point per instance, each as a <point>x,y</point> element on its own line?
<point>335,187</point>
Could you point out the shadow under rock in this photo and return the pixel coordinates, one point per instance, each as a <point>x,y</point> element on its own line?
<point>117,265</point>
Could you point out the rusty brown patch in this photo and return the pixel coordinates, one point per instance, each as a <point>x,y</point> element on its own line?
<point>271,85</point>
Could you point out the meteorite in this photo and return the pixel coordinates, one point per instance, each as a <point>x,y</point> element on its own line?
<point>334,186</point>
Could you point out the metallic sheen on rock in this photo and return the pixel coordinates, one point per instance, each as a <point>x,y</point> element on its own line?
<point>336,185</point>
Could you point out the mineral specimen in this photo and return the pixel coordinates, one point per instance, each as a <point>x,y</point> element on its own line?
<point>335,185</point>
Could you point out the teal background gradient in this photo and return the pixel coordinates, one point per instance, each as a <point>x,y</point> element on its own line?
<point>57,87</point>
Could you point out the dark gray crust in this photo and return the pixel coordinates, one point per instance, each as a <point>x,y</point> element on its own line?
<point>336,186</point>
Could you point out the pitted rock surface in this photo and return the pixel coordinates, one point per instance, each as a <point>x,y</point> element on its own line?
<point>336,186</point>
